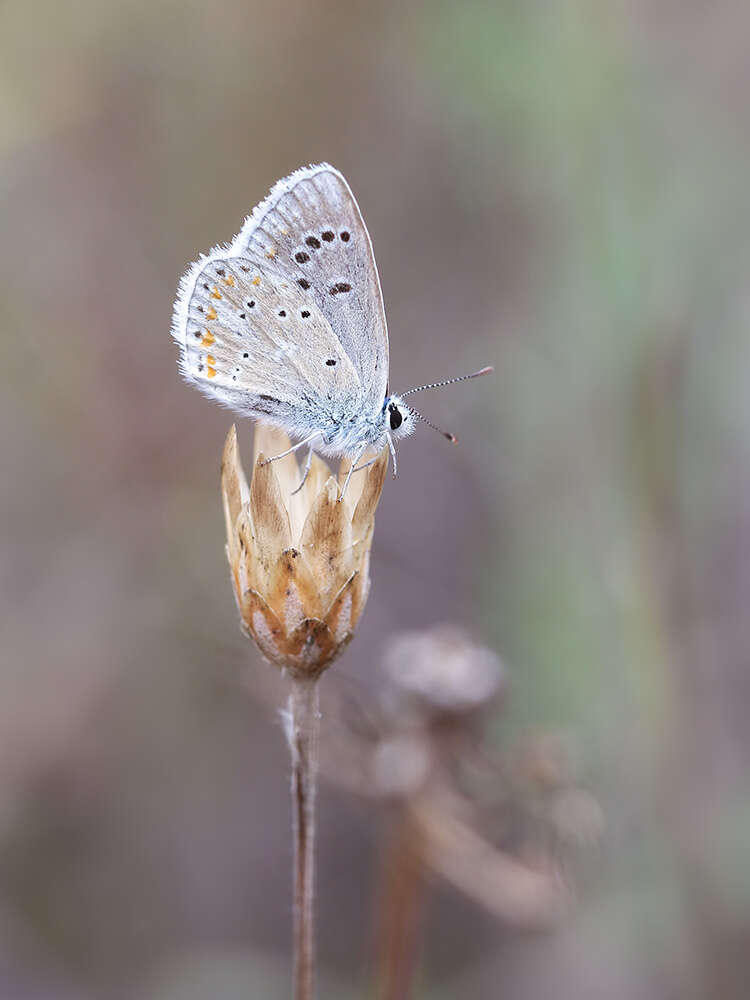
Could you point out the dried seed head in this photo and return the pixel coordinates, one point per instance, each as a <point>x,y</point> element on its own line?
<point>299,561</point>
<point>442,670</point>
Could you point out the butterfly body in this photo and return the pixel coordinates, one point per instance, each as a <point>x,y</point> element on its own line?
<point>346,436</point>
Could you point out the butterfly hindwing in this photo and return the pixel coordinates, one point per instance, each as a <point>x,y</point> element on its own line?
<point>254,340</point>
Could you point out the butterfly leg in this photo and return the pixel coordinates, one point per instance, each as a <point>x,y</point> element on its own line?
<point>393,456</point>
<point>306,473</point>
<point>359,455</point>
<point>366,465</point>
<point>294,447</point>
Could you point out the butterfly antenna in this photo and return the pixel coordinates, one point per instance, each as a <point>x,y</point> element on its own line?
<point>451,437</point>
<point>448,381</point>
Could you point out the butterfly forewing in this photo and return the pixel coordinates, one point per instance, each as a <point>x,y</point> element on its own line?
<point>254,340</point>
<point>311,230</point>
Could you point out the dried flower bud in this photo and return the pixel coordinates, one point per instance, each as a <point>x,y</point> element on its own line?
<point>441,670</point>
<point>299,561</point>
<point>400,765</point>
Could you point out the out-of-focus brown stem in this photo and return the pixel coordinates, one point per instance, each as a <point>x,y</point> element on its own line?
<point>303,742</point>
<point>400,909</point>
<point>518,895</point>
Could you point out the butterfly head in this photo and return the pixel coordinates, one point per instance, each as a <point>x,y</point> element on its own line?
<point>398,419</point>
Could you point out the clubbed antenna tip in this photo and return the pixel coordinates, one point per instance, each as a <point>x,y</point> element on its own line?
<point>446,434</point>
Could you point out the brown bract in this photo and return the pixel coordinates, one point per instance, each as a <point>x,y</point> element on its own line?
<point>299,563</point>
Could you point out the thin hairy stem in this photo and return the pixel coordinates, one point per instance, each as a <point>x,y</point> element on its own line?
<point>303,741</point>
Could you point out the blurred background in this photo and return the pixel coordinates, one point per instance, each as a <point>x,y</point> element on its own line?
<point>558,189</point>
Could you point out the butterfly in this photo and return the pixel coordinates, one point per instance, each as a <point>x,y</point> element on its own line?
<point>287,324</point>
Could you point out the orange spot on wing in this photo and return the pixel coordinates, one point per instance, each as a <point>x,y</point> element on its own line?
<point>229,280</point>
<point>256,279</point>
<point>271,254</point>
<point>208,339</point>
<point>211,372</point>
<point>215,294</point>
<point>211,314</point>
<point>210,360</point>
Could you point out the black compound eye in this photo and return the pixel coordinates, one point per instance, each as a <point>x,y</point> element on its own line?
<point>396,417</point>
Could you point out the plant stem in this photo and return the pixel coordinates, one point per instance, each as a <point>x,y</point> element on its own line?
<point>400,909</point>
<point>303,742</point>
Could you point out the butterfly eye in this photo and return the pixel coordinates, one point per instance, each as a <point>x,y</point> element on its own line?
<point>396,419</point>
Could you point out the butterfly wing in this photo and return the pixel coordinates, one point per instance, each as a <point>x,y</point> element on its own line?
<point>311,228</point>
<point>253,339</point>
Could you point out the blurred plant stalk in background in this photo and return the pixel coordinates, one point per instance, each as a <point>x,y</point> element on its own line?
<point>499,829</point>
<point>299,561</point>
